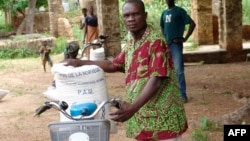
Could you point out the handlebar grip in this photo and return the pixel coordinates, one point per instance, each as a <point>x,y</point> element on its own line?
<point>63,105</point>
<point>42,109</point>
<point>117,104</point>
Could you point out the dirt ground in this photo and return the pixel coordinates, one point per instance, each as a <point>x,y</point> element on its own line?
<point>210,87</point>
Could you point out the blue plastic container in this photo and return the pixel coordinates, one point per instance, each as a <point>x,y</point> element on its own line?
<point>83,109</point>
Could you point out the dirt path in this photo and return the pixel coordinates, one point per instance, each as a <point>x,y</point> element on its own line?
<point>210,88</point>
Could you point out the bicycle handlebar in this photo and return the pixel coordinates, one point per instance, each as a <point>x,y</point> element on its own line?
<point>62,106</point>
<point>49,104</point>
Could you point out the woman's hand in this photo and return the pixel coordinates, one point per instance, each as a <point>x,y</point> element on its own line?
<point>125,112</point>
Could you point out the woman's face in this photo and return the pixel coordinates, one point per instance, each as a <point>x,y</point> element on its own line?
<point>91,9</point>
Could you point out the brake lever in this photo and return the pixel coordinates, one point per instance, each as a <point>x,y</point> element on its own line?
<point>42,109</point>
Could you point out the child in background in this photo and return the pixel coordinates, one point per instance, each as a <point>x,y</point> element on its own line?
<point>45,55</point>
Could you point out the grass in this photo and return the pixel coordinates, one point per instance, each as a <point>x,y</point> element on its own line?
<point>22,52</point>
<point>228,92</point>
<point>201,133</point>
<point>206,125</point>
<point>17,65</point>
<point>31,66</point>
<point>12,65</point>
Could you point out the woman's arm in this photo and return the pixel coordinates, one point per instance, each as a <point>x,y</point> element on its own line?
<point>106,65</point>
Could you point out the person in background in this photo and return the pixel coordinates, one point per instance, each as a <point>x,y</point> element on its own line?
<point>91,24</point>
<point>82,24</point>
<point>44,52</point>
<point>153,109</point>
<point>172,22</point>
<point>71,51</point>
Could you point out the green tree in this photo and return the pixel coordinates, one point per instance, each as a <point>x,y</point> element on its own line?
<point>19,6</point>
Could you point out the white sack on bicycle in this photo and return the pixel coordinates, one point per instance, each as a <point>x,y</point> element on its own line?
<point>76,85</point>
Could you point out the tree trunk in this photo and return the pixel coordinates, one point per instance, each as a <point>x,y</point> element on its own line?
<point>238,116</point>
<point>28,21</point>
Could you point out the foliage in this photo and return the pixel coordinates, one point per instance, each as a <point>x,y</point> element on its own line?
<point>40,3</point>
<point>208,125</point>
<point>199,135</point>
<point>193,46</point>
<point>19,5</point>
<point>4,4</point>
<point>4,28</point>
<point>185,4</point>
<point>22,52</point>
<point>73,12</point>
<point>246,11</point>
<point>77,32</point>
<point>154,10</point>
<point>122,26</point>
<point>60,45</point>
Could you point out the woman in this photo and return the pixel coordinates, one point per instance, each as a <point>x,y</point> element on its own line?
<point>91,24</point>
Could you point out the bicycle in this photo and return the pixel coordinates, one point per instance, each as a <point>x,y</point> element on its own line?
<point>83,126</point>
<point>98,43</point>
